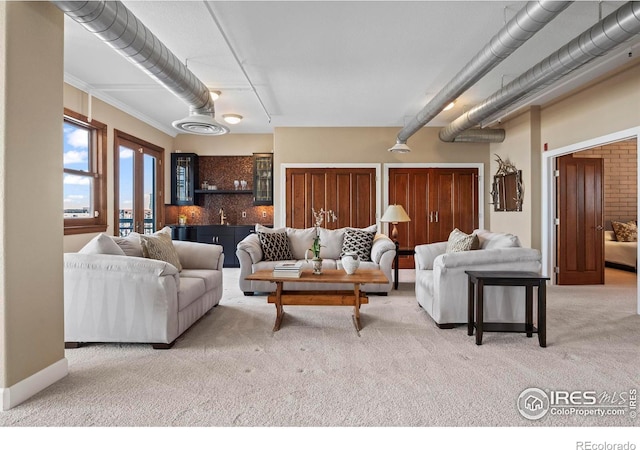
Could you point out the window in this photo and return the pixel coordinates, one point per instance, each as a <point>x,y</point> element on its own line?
<point>138,185</point>
<point>84,177</point>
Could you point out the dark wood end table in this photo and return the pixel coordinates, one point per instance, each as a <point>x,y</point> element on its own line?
<point>399,252</point>
<point>479,279</point>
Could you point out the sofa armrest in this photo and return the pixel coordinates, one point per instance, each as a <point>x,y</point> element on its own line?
<point>474,259</point>
<point>425,254</point>
<point>381,245</point>
<point>197,255</point>
<point>109,298</point>
<point>119,264</point>
<point>251,246</point>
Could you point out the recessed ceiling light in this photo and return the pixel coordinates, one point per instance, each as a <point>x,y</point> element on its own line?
<point>214,95</point>
<point>232,118</point>
<point>449,106</point>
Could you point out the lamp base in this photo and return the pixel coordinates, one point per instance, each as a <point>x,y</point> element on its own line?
<point>394,233</point>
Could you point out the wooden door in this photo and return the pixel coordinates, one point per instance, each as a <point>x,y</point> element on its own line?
<point>437,200</point>
<point>580,232</point>
<point>349,192</point>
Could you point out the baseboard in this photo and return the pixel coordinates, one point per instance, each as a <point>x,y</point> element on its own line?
<point>27,388</point>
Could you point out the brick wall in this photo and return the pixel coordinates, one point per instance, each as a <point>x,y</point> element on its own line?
<point>620,178</point>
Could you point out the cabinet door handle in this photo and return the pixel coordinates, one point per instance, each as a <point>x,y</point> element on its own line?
<point>436,216</point>
<point>430,216</point>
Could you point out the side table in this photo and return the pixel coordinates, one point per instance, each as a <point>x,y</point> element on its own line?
<point>399,252</point>
<point>479,279</point>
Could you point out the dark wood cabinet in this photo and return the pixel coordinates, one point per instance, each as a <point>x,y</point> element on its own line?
<point>349,192</point>
<point>226,235</point>
<point>183,233</point>
<point>184,178</point>
<point>437,200</point>
<point>262,179</point>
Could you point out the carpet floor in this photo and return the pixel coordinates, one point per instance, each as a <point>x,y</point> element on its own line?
<point>230,369</point>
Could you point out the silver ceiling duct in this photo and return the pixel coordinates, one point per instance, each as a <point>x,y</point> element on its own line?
<point>616,28</point>
<point>527,22</point>
<point>117,26</point>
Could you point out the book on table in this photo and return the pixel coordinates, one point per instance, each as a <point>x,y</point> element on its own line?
<point>288,269</point>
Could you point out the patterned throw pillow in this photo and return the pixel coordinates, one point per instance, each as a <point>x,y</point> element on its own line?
<point>159,246</point>
<point>275,246</point>
<point>359,241</point>
<point>462,242</point>
<point>625,232</point>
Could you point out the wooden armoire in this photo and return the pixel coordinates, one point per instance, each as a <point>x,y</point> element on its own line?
<point>437,200</point>
<point>349,192</point>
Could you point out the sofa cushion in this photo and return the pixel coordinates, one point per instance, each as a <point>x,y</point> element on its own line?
<point>263,229</point>
<point>102,244</point>
<point>359,241</point>
<point>190,290</point>
<point>159,246</point>
<point>130,244</point>
<point>489,240</point>
<point>300,240</point>
<point>251,245</point>
<point>625,232</point>
<point>275,246</point>
<point>211,278</point>
<point>462,242</point>
<point>331,241</point>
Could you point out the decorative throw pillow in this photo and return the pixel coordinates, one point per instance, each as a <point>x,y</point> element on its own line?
<point>102,244</point>
<point>462,242</point>
<point>625,232</point>
<point>159,246</point>
<point>359,241</point>
<point>130,245</point>
<point>275,246</point>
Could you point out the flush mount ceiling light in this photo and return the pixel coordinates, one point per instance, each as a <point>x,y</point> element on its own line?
<point>215,95</point>
<point>449,106</point>
<point>232,118</point>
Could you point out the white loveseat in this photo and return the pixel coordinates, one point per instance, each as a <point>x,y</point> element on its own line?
<point>132,299</point>
<point>441,281</point>
<point>250,254</point>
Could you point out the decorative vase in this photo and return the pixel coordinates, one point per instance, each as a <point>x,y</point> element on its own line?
<point>317,265</point>
<point>350,262</point>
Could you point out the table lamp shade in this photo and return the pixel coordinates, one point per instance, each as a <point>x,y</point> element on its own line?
<point>395,214</point>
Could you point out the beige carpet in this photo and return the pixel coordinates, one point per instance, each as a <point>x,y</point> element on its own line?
<point>230,369</point>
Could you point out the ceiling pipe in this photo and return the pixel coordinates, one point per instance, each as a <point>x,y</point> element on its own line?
<point>613,30</point>
<point>527,22</point>
<point>113,23</point>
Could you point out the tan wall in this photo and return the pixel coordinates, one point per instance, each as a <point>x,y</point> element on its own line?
<point>608,106</point>
<point>78,101</point>
<point>516,149</point>
<point>225,145</point>
<point>365,145</point>
<point>31,291</point>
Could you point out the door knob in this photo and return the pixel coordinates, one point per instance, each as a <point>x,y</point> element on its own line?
<point>599,228</point>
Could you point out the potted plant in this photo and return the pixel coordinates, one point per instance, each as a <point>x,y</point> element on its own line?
<point>316,246</point>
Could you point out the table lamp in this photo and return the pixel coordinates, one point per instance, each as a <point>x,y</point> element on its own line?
<point>395,214</point>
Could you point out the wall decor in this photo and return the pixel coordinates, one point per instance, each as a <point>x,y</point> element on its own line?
<point>507,189</point>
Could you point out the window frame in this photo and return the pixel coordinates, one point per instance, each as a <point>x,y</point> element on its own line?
<point>98,170</point>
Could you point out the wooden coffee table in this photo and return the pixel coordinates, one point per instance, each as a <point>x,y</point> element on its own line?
<point>353,298</point>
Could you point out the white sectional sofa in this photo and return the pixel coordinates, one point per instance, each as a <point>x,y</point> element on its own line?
<point>133,299</point>
<point>441,281</point>
<point>251,256</point>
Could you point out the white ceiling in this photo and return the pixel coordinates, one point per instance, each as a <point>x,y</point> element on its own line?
<point>324,63</point>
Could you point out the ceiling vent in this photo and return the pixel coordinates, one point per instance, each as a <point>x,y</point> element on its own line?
<point>202,124</point>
